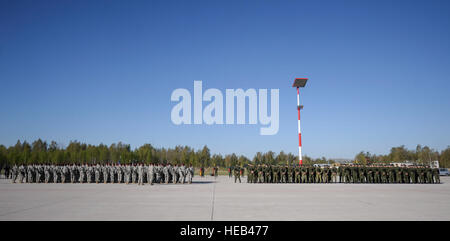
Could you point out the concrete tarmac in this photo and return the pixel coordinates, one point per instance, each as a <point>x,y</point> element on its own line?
<point>209,198</point>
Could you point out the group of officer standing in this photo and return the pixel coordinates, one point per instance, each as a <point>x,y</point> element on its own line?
<point>102,173</point>
<point>342,174</point>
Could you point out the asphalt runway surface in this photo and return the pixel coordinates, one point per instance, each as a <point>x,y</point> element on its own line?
<point>209,198</point>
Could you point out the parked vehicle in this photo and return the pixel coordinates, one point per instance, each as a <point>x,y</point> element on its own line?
<point>443,172</point>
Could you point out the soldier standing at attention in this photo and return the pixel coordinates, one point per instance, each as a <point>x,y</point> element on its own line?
<point>311,171</point>
<point>422,174</point>
<point>237,174</point>
<point>134,173</point>
<point>429,174</point>
<point>391,174</point>
<point>362,173</point>
<point>249,173</point>
<point>347,174</point>
<point>64,173</point>
<point>325,175</point>
<point>166,174</point>
<point>268,174</point>
<point>55,173</point>
<point>182,173</point>
<point>341,173</point>
<point>38,173</point>
<point>105,172</point>
<point>29,173</point>
<point>283,174</point>
<point>97,173</point>
<point>119,171</point>
<point>82,170</point>
<point>140,171</point>
<point>260,174</point>
<point>304,173</point>
<point>72,171</point>
<point>89,173</point>
<point>398,172</point>
<point>21,173</point>
<point>150,173</point>
<point>190,173</point>
<point>412,174</point>
<point>437,179</point>
<point>290,173</point>
<point>171,171</point>
<point>297,175</point>
<point>126,173</point>
<point>334,172</point>
<point>406,174</point>
<point>354,171</point>
<point>318,175</point>
<point>14,171</point>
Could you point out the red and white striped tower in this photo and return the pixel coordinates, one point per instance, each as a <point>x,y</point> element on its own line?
<point>299,82</point>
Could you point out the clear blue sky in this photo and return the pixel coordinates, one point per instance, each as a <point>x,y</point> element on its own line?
<point>103,71</point>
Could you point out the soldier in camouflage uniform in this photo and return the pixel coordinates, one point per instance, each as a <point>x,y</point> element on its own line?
<point>334,173</point>
<point>150,173</point>
<point>260,174</point>
<point>237,174</point>
<point>284,177</point>
<point>405,172</point>
<point>166,174</point>
<point>39,173</point>
<point>391,175</point>
<point>297,174</point>
<point>126,173</point>
<point>119,171</point>
<point>190,173</point>
<point>318,175</point>
<point>140,172</point>
<point>429,173</point>
<point>105,173</point>
<point>341,173</point>
<point>30,173</point>
<point>21,173</point>
<point>90,172</point>
<point>134,173</point>
<point>268,174</point>
<point>436,176</point>
<point>82,171</point>
<point>182,172</point>
<point>412,174</point>
<point>249,173</point>
<point>354,173</point>
<point>64,173</point>
<point>73,173</point>
<point>54,169</point>
<point>97,170</point>
<point>276,174</point>
<point>398,175</point>
<point>311,175</point>
<point>304,174</point>
<point>362,174</point>
<point>14,173</point>
<point>347,173</point>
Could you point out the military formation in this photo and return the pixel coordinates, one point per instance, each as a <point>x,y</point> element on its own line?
<point>342,174</point>
<point>98,173</point>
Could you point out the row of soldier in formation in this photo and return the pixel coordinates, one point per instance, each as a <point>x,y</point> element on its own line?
<point>99,173</point>
<point>342,174</point>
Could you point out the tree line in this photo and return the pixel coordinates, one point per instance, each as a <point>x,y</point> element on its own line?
<point>421,155</point>
<point>40,151</point>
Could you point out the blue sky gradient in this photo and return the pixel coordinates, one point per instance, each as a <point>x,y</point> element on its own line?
<point>103,72</point>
